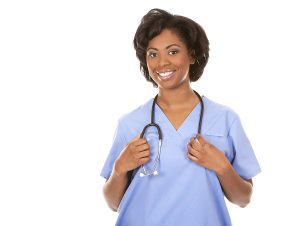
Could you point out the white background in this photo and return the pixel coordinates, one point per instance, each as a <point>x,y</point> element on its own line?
<point>68,72</point>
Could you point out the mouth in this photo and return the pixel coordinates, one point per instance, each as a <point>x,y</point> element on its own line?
<point>165,75</point>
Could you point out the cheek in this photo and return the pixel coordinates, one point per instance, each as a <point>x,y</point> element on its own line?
<point>182,63</point>
<point>151,71</point>
<point>184,68</point>
<point>150,66</point>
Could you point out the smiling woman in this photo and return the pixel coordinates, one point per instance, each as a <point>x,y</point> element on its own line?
<point>183,34</point>
<point>168,60</point>
<point>200,166</point>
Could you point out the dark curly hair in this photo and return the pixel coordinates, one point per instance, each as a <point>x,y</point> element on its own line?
<point>190,32</point>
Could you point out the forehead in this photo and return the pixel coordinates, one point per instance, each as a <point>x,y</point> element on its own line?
<point>166,38</point>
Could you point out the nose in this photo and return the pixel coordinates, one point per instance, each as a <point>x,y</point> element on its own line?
<point>163,60</point>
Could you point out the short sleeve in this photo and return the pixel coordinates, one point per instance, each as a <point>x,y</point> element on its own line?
<point>244,162</point>
<point>118,144</point>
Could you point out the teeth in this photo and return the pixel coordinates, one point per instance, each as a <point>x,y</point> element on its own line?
<point>164,74</point>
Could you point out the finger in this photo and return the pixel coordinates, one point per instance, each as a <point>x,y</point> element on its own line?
<point>193,151</point>
<point>205,144</point>
<point>144,160</point>
<point>142,147</point>
<point>140,141</point>
<point>136,137</point>
<point>191,141</point>
<point>201,139</point>
<point>191,157</point>
<point>143,154</point>
<point>196,144</point>
<point>144,150</point>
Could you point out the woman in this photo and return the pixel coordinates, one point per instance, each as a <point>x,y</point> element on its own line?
<point>205,153</point>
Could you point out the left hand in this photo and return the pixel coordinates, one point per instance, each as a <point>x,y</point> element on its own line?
<point>205,154</point>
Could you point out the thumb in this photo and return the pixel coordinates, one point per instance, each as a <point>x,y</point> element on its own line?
<point>200,138</point>
<point>137,137</point>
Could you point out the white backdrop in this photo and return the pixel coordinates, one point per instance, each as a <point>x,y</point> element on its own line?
<point>68,71</point>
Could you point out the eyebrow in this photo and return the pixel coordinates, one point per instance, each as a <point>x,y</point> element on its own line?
<point>169,46</point>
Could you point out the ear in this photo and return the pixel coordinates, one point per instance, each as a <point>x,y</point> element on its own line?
<point>192,57</point>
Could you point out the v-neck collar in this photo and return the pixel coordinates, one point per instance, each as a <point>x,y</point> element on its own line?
<point>186,121</point>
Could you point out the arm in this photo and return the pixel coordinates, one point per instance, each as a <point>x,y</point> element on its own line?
<point>132,156</point>
<point>115,188</point>
<point>236,189</point>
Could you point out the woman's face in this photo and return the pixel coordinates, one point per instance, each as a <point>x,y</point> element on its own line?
<point>168,60</point>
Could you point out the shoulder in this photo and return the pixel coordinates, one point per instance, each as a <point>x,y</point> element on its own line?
<point>218,108</point>
<point>139,115</point>
<point>218,115</point>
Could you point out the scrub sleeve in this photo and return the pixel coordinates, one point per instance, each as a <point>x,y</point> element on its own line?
<point>244,161</point>
<point>118,144</point>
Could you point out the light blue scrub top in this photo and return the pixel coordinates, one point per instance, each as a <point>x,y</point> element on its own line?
<point>183,193</point>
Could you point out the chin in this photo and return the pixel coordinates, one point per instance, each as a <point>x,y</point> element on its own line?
<point>170,86</point>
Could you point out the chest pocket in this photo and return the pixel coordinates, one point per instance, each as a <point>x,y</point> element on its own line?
<point>221,141</point>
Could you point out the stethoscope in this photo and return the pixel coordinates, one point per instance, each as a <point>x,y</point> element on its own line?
<point>153,170</point>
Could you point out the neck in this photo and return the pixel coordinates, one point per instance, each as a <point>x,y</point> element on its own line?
<point>175,97</point>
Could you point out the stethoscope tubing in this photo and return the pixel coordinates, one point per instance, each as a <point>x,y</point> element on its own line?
<point>152,123</point>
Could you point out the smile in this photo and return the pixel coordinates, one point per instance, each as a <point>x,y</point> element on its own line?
<point>165,75</point>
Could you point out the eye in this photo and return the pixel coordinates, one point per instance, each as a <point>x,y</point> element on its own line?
<point>173,52</point>
<point>152,54</point>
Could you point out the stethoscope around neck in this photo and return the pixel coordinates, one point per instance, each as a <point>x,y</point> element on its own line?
<point>153,171</point>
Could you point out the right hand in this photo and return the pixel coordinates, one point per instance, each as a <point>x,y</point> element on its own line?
<point>135,154</point>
